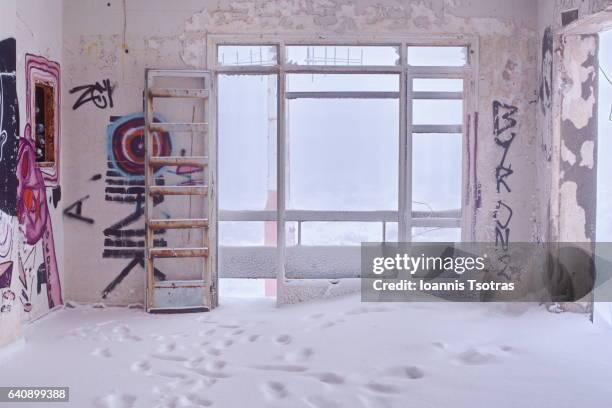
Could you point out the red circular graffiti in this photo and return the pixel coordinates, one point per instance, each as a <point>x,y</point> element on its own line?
<point>128,146</point>
<point>31,197</point>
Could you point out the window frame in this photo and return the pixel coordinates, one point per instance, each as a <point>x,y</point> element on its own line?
<point>40,70</point>
<point>405,216</point>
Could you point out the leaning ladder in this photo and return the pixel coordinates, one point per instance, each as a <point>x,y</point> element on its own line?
<point>174,296</point>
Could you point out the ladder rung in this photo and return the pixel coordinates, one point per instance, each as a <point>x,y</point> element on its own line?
<point>178,93</point>
<point>195,161</point>
<point>180,284</point>
<point>179,127</point>
<point>178,223</point>
<point>178,252</point>
<point>178,190</point>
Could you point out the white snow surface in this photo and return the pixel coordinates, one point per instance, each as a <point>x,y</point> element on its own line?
<point>326,354</point>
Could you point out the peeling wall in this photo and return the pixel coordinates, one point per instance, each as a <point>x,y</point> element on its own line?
<point>578,176</point>
<point>116,40</point>
<point>567,118</point>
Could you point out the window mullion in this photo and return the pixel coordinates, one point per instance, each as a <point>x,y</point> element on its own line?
<point>406,235</point>
<point>281,162</point>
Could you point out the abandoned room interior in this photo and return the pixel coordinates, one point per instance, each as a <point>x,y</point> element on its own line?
<point>194,196</point>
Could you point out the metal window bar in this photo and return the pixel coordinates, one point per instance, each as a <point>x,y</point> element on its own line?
<point>406,218</point>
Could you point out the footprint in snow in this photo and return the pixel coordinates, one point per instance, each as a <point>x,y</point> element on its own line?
<point>216,365</point>
<point>101,352</point>
<point>169,357</point>
<point>213,351</point>
<point>224,343</point>
<point>194,362</point>
<point>115,400</point>
<point>329,378</point>
<point>288,368</point>
<point>475,357</point>
<point>166,348</point>
<point>283,339</point>
<point>175,375</point>
<point>204,372</point>
<point>237,332</point>
<point>405,372</point>
<point>382,388</point>
<point>140,366</point>
<point>318,401</point>
<point>274,390</point>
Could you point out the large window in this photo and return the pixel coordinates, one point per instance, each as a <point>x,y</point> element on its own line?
<point>323,146</point>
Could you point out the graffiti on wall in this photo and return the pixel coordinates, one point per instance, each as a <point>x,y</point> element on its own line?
<point>27,249</point>
<point>98,93</point>
<point>9,145</point>
<point>504,125</point>
<point>9,127</point>
<point>35,224</point>
<point>40,70</point>
<point>75,211</point>
<point>125,186</point>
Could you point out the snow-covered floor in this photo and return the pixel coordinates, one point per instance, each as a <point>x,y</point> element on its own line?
<point>334,353</point>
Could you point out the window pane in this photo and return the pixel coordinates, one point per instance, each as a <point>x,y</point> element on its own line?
<point>340,233</point>
<point>436,234</point>
<point>437,56</point>
<point>247,233</point>
<point>391,232</point>
<point>342,82</point>
<point>437,85</point>
<point>437,112</point>
<point>342,154</point>
<point>342,55</point>
<point>237,55</point>
<point>247,142</point>
<point>436,171</point>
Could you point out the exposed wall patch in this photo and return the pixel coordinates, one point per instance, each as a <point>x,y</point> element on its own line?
<point>587,154</point>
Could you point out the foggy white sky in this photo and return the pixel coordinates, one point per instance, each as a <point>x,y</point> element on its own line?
<point>343,154</point>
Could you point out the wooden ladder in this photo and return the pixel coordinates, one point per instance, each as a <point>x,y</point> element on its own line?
<point>175,296</point>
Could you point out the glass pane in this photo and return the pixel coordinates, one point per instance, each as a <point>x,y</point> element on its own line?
<point>237,55</point>
<point>436,234</point>
<point>437,85</point>
<point>340,233</point>
<point>247,142</point>
<point>342,154</point>
<point>437,112</point>
<point>436,171</point>
<point>247,233</point>
<point>342,55</point>
<point>391,232</point>
<point>437,56</point>
<point>342,82</point>
<point>291,233</point>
